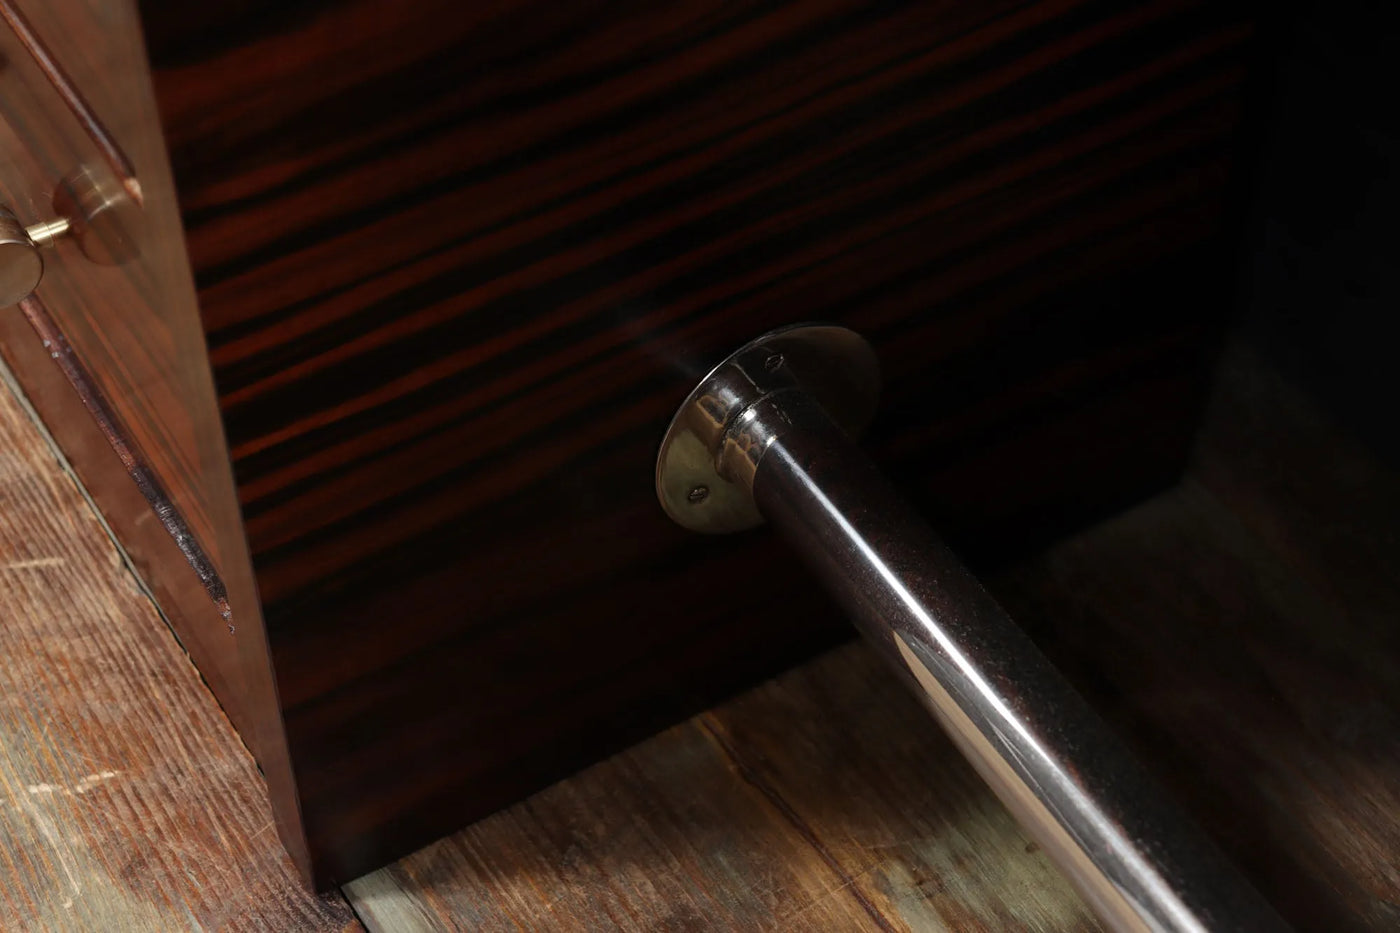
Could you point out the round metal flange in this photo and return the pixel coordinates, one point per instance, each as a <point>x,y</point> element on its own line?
<point>832,364</point>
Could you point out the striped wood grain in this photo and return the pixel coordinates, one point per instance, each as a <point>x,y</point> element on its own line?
<point>457,263</point>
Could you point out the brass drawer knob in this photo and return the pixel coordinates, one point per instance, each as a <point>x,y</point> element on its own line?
<point>21,266</point>
<point>99,217</point>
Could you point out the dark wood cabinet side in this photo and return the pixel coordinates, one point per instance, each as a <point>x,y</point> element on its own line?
<point>457,264</point>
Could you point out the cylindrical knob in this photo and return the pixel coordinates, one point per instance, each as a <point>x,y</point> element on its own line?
<point>21,266</point>
<point>766,436</point>
<point>98,215</point>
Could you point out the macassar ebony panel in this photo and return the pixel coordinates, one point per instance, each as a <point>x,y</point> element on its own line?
<point>458,263</point>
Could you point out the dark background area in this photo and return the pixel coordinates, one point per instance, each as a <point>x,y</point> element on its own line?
<point>1320,278</point>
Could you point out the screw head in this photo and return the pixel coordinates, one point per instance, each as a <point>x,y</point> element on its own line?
<point>698,494</point>
<point>774,363</point>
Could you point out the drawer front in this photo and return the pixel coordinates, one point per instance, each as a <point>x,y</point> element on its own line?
<point>134,324</point>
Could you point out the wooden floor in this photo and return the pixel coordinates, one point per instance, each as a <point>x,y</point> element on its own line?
<point>1239,631</point>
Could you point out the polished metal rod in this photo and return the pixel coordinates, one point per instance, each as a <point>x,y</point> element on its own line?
<point>1135,858</point>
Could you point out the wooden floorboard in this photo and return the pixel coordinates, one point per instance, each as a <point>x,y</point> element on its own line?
<point>127,801</point>
<point>824,800</point>
<point>1238,632</point>
<point>663,837</point>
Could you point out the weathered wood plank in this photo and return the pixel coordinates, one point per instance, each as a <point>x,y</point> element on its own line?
<point>127,801</point>
<point>823,800</point>
<point>665,836</point>
<point>852,756</point>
